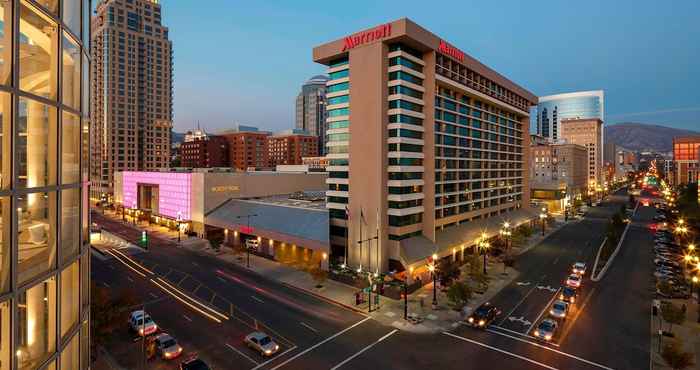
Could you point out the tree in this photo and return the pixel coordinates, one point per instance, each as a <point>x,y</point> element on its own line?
<point>319,276</point>
<point>672,314</point>
<point>459,294</point>
<point>106,311</point>
<point>675,357</point>
<point>449,271</point>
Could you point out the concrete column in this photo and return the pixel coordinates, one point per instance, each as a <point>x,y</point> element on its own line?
<point>37,145</point>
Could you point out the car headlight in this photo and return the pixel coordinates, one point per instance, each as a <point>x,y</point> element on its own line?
<point>547,337</point>
<point>471,319</point>
<point>551,312</point>
<point>482,322</point>
<point>537,333</point>
<point>141,331</point>
<point>277,347</point>
<point>573,299</point>
<point>561,296</point>
<point>167,354</point>
<point>267,351</point>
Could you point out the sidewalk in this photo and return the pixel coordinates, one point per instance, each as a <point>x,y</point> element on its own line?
<point>689,333</point>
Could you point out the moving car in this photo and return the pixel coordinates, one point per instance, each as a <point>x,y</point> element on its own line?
<point>167,347</point>
<point>573,281</point>
<point>568,294</point>
<point>559,309</point>
<point>579,268</point>
<point>483,315</point>
<point>262,343</point>
<point>140,322</point>
<point>194,364</point>
<point>546,330</point>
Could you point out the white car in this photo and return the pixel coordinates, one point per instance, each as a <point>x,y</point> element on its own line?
<point>579,268</point>
<point>140,322</point>
<point>167,346</point>
<point>574,281</point>
<point>262,343</point>
<point>559,309</point>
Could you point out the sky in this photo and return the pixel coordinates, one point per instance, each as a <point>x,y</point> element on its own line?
<point>244,61</point>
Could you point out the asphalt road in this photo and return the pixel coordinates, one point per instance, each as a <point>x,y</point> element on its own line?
<point>607,329</point>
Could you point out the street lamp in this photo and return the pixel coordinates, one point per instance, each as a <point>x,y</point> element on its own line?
<point>247,249</point>
<point>179,219</point>
<point>134,212</point>
<point>484,246</point>
<point>695,281</point>
<point>320,261</point>
<point>543,217</point>
<point>505,233</point>
<point>433,271</point>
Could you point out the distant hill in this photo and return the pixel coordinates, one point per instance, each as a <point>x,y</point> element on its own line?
<point>644,137</point>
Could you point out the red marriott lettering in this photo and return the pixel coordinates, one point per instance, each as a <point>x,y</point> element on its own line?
<point>450,50</point>
<point>362,38</point>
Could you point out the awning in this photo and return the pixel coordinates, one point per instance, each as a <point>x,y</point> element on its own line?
<point>419,248</point>
<point>306,227</point>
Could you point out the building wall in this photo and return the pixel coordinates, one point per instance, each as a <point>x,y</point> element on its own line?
<point>133,73</point>
<point>552,110</point>
<point>311,109</point>
<point>210,151</point>
<point>391,166</point>
<point>587,133</point>
<point>44,221</point>
<point>686,156</point>
<point>247,150</point>
<point>290,149</point>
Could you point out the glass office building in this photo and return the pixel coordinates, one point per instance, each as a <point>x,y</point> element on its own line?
<point>551,110</point>
<point>44,254</point>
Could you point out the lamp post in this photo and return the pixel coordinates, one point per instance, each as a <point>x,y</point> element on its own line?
<point>694,281</point>
<point>432,267</point>
<point>247,249</point>
<point>506,233</point>
<point>543,218</point>
<point>134,209</point>
<point>484,246</point>
<point>179,219</point>
<point>320,261</point>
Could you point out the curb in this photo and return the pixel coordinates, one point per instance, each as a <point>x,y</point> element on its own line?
<point>324,298</point>
<point>608,263</point>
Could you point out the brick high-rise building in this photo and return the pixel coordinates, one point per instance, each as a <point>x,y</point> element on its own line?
<point>132,109</point>
<point>247,147</point>
<point>205,151</point>
<point>289,147</point>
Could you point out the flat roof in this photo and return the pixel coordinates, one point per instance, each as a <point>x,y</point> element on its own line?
<point>406,31</point>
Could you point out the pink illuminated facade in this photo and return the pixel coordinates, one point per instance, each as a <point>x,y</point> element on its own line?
<point>174,191</point>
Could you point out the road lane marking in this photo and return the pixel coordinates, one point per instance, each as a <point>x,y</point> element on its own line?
<point>364,349</point>
<point>222,279</point>
<point>555,351</point>
<point>195,263</point>
<point>556,260</point>
<point>124,263</point>
<point>320,343</point>
<point>500,350</point>
<point>214,318</point>
<point>275,358</point>
<point>215,312</point>
<point>517,305</point>
<point>110,266</point>
<point>578,313</point>
<point>513,332</point>
<point>516,333</point>
<point>241,353</point>
<point>153,295</point>
<point>308,327</point>
<point>257,299</point>
<point>187,318</point>
<point>106,285</point>
<point>549,303</point>
<point>130,279</point>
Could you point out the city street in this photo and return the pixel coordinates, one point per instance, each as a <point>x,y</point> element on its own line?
<point>600,333</point>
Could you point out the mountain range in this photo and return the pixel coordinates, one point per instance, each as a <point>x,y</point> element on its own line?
<point>640,137</point>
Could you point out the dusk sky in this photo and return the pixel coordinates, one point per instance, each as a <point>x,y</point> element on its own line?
<point>245,61</point>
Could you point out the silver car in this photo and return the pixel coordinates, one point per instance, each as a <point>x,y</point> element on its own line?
<point>559,309</point>
<point>167,346</point>
<point>262,343</point>
<point>546,330</point>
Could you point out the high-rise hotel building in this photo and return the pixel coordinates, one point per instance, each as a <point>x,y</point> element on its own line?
<point>132,78</point>
<point>425,144</point>
<point>44,246</point>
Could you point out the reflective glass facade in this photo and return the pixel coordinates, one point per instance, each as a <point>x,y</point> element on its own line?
<point>44,251</point>
<point>551,110</point>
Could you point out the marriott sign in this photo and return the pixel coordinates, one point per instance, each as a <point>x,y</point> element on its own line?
<point>365,37</point>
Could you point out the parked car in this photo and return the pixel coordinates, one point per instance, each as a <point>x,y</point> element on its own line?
<point>140,322</point>
<point>194,364</point>
<point>262,343</point>
<point>546,330</point>
<point>579,268</point>
<point>167,347</point>
<point>483,315</point>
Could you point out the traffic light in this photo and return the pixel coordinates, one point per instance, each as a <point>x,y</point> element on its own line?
<point>144,239</point>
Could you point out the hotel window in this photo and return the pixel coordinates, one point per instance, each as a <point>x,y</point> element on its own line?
<point>51,5</point>
<point>36,315</point>
<point>38,63</point>
<point>71,15</point>
<point>70,299</point>
<point>36,237</point>
<point>36,144</point>
<point>5,42</point>
<point>70,223</point>
<point>70,149</point>
<point>71,72</point>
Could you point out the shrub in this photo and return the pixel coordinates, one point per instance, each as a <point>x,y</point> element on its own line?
<point>459,295</point>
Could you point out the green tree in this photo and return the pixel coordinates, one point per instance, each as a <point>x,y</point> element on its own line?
<point>107,312</point>
<point>448,271</point>
<point>459,294</point>
<point>675,357</point>
<point>673,314</point>
<point>319,276</point>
